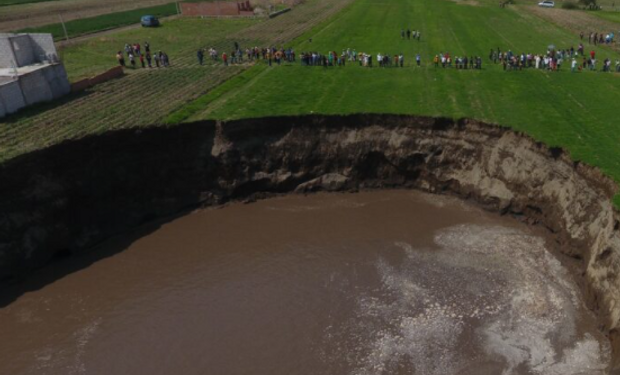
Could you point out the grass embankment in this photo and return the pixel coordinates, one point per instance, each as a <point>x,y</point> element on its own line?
<point>576,111</point>
<point>109,21</point>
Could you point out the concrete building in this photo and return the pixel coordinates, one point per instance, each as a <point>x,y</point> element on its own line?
<point>30,71</point>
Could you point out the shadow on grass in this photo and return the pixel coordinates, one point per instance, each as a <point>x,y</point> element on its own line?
<point>39,108</point>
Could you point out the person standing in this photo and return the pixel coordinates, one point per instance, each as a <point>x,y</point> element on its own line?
<point>142,61</point>
<point>121,59</point>
<point>132,60</point>
<point>200,55</point>
<point>417,59</point>
<point>156,58</point>
<point>225,58</point>
<point>148,59</point>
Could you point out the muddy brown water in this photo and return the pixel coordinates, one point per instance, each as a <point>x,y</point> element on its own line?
<point>394,282</point>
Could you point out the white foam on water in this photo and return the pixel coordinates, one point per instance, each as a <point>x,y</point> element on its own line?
<point>50,360</point>
<point>488,292</point>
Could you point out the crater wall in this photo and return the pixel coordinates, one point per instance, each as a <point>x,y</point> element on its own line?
<point>69,197</point>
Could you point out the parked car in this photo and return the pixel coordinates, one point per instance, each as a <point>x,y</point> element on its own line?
<point>546,4</point>
<point>149,21</point>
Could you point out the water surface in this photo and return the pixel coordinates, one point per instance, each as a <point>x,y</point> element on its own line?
<point>394,282</point>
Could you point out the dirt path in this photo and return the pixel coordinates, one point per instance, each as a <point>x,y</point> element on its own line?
<point>71,41</point>
<point>38,14</point>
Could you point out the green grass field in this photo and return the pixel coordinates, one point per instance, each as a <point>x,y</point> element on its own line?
<point>177,37</point>
<point>613,16</point>
<point>576,111</point>
<point>104,22</point>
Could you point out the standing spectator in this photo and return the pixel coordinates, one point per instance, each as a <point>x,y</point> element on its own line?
<point>156,58</point>
<point>121,59</point>
<point>417,59</point>
<point>165,59</point>
<point>132,60</point>
<point>142,61</point>
<point>225,58</point>
<point>200,56</point>
<point>148,59</point>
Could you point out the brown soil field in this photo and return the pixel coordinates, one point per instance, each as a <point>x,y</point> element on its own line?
<point>17,17</point>
<point>576,21</point>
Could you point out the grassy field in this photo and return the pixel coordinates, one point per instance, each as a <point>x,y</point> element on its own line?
<point>145,97</point>
<point>610,16</point>
<point>104,22</point>
<point>178,38</point>
<point>576,111</point>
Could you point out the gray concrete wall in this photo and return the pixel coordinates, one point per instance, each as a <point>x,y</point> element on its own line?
<point>42,85</point>
<point>35,87</point>
<point>22,48</point>
<point>43,47</point>
<point>7,58</point>
<point>56,76</point>
<point>11,98</point>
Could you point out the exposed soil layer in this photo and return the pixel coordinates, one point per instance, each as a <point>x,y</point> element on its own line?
<point>69,197</point>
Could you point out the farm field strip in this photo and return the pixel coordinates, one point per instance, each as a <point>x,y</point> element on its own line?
<point>577,21</point>
<point>146,96</point>
<point>95,24</point>
<point>15,17</point>
<point>142,104</point>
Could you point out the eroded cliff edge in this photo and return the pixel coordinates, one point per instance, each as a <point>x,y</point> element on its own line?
<point>72,196</point>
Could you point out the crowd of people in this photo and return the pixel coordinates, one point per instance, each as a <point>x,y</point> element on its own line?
<point>332,58</point>
<point>599,38</point>
<point>459,62</point>
<point>552,60</point>
<point>238,55</point>
<point>134,53</point>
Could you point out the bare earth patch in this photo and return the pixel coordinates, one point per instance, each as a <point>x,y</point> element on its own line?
<point>467,2</point>
<point>575,21</point>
